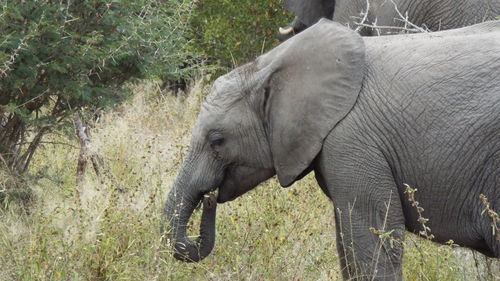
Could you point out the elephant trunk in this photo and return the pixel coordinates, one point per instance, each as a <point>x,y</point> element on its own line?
<point>178,209</point>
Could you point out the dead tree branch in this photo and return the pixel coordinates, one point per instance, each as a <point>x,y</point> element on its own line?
<point>364,18</point>
<point>408,26</point>
<point>407,22</point>
<point>85,152</point>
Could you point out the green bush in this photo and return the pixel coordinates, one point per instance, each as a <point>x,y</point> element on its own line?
<point>230,33</point>
<point>58,56</point>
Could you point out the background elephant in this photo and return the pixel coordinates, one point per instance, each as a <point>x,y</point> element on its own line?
<point>433,14</point>
<point>367,115</point>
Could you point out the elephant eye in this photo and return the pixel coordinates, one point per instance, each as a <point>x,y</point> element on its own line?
<point>216,142</point>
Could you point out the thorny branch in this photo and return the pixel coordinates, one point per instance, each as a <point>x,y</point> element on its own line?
<point>365,17</point>
<point>414,28</point>
<point>5,69</point>
<point>408,27</point>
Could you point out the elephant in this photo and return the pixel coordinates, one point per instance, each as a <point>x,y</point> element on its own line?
<point>433,14</point>
<point>367,115</point>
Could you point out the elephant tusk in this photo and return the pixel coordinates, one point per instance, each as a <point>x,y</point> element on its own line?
<point>286,31</point>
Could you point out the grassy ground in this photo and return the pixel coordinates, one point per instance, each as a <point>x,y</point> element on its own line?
<point>110,230</point>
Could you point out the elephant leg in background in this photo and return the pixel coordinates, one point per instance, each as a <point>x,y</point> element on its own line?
<point>365,196</point>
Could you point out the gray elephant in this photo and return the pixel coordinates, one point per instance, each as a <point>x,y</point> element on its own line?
<point>367,115</point>
<point>433,14</point>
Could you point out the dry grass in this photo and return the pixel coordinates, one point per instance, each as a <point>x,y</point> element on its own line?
<point>110,231</point>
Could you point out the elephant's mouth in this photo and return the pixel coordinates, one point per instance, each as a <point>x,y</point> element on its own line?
<point>224,194</point>
<point>227,190</point>
<point>240,179</point>
<point>223,191</point>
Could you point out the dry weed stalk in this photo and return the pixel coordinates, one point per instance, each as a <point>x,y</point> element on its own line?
<point>344,246</point>
<point>495,218</point>
<point>426,232</point>
<point>384,235</point>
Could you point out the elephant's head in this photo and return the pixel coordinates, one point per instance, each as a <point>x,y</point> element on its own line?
<point>307,13</point>
<point>268,117</point>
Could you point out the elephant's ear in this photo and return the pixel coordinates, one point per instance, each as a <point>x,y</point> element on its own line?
<point>310,11</point>
<point>312,82</point>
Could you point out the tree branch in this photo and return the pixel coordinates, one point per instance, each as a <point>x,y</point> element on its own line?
<point>408,26</point>
<point>83,135</point>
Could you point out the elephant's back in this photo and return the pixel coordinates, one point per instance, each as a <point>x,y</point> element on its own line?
<point>483,36</point>
<point>449,63</point>
<point>450,14</point>
<point>443,84</point>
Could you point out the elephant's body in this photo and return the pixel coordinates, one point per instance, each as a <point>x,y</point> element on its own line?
<point>430,121</point>
<point>434,15</point>
<point>369,115</point>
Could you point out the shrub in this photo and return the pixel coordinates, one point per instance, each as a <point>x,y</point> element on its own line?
<point>230,33</point>
<point>58,56</point>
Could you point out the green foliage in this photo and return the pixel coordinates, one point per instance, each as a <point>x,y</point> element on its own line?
<point>234,32</point>
<point>14,189</point>
<point>57,56</point>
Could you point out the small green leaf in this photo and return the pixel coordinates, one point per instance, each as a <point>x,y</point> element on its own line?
<point>58,68</point>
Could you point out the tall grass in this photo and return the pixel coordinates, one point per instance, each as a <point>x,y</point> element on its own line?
<point>110,230</point>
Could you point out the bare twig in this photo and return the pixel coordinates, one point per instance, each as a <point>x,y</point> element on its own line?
<point>342,240</point>
<point>28,155</point>
<point>4,162</point>
<point>83,136</point>
<point>380,27</point>
<point>384,235</point>
<point>59,143</point>
<point>361,24</point>
<point>408,26</point>
<point>407,22</point>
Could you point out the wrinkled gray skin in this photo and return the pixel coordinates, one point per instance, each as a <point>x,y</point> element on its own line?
<point>367,115</point>
<point>434,14</point>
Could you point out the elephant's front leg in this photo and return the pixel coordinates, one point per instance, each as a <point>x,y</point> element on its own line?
<point>369,248</point>
<point>369,219</point>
